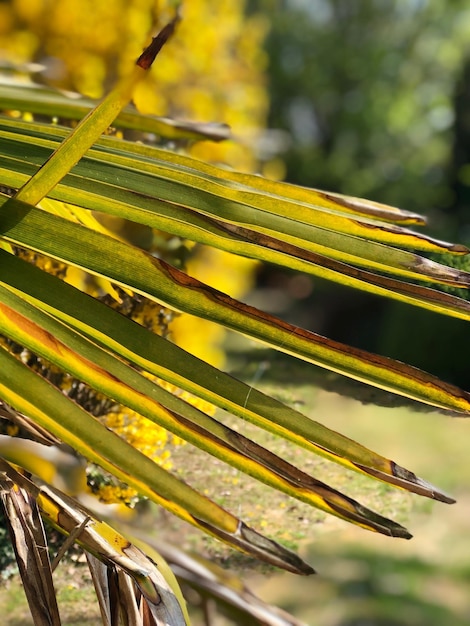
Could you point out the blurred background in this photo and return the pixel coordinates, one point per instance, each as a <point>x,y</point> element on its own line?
<point>372,99</point>
<point>367,98</point>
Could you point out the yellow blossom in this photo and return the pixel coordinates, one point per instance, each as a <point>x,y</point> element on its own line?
<point>213,71</point>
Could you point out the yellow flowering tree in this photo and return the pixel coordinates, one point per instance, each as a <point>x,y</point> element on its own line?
<point>215,74</point>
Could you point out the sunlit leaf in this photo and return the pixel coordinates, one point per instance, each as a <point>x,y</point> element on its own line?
<point>42,100</point>
<point>165,360</point>
<point>186,202</point>
<point>133,268</point>
<point>87,362</point>
<point>30,545</point>
<point>33,395</point>
<point>105,543</point>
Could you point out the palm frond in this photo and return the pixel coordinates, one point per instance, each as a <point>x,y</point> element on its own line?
<point>352,241</point>
<point>30,545</point>
<point>22,499</point>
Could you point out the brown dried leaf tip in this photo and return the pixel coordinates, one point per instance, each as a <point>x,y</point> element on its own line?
<point>149,54</point>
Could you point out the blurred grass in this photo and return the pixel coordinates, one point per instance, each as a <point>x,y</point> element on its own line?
<point>366,579</point>
<point>76,597</point>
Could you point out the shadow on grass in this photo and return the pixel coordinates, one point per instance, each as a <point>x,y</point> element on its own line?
<point>280,370</point>
<point>358,587</point>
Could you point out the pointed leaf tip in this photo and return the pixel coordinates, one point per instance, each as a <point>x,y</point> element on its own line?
<point>371,520</point>
<point>426,488</point>
<point>251,542</point>
<point>405,479</point>
<point>149,54</point>
<point>289,559</point>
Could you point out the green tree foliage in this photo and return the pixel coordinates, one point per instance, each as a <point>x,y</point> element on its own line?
<point>374,98</point>
<point>365,91</point>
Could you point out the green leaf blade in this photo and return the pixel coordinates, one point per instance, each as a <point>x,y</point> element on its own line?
<point>154,278</point>
<point>32,395</point>
<point>165,360</point>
